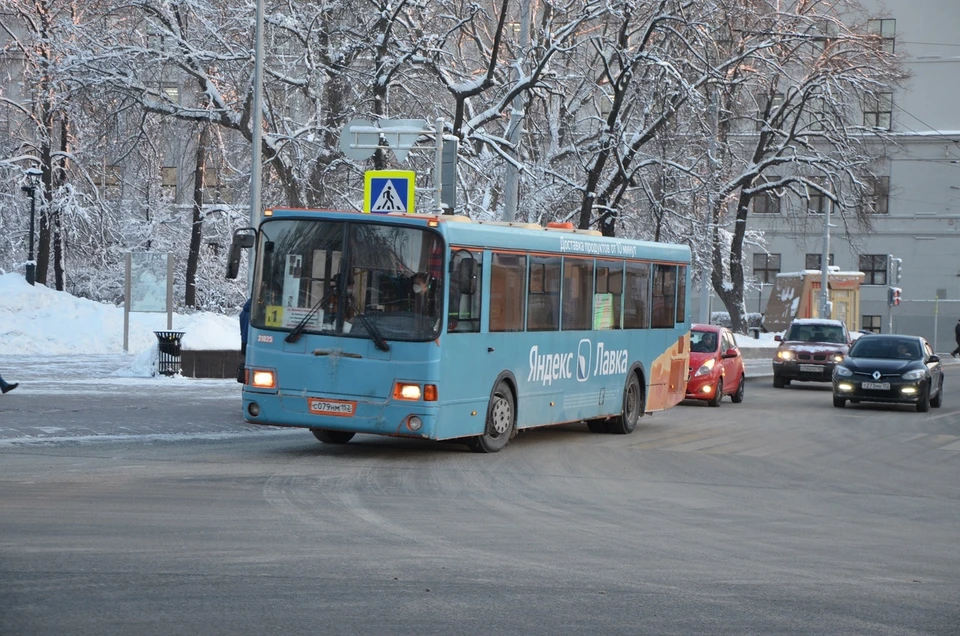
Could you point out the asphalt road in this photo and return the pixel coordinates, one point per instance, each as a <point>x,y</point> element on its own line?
<point>779,515</point>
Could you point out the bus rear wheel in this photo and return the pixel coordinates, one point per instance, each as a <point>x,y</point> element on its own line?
<point>598,426</point>
<point>633,403</point>
<point>332,437</point>
<point>501,421</point>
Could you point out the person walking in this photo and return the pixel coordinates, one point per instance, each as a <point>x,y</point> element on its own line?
<point>956,331</point>
<point>244,327</point>
<point>6,387</point>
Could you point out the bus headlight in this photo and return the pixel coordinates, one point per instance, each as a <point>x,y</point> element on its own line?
<point>405,391</point>
<point>263,379</point>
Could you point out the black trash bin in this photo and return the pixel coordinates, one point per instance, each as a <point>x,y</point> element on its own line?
<point>169,349</point>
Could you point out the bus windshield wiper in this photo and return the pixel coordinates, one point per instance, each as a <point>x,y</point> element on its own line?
<point>297,331</point>
<point>375,334</point>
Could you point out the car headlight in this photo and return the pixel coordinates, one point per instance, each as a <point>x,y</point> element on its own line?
<point>914,374</point>
<point>786,354</point>
<point>844,372</point>
<point>837,357</point>
<point>705,368</point>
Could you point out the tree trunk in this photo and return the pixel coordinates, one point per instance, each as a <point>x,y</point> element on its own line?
<point>732,296</point>
<point>43,208</point>
<point>196,232</point>
<point>60,178</point>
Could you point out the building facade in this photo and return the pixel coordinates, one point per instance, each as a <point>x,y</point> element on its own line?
<point>916,204</point>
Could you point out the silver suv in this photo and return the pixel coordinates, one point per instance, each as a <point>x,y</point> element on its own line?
<point>809,350</point>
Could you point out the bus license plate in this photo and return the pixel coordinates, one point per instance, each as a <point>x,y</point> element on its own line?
<point>811,368</point>
<point>340,408</point>
<point>877,386</point>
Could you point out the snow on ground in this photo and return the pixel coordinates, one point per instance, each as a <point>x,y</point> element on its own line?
<point>39,321</point>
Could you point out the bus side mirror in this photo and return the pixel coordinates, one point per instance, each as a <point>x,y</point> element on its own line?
<point>243,237</point>
<point>467,273</point>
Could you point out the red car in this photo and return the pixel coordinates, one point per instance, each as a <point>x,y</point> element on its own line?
<point>716,366</point>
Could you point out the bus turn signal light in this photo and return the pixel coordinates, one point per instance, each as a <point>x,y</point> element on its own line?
<point>430,393</point>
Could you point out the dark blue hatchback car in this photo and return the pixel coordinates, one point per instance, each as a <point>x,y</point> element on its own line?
<point>889,368</point>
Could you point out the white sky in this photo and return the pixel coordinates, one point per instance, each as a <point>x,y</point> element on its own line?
<point>41,321</point>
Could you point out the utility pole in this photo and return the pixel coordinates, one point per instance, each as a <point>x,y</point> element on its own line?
<point>707,274</point>
<point>256,123</point>
<point>825,265</point>
<point>511,182</point>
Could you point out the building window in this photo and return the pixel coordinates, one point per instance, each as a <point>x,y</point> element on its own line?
<point>768,201</point>
<point>766,267</point>
<point>820,112</point>
<point>821,35</point>
<point>168,183</point>
<point>812,261</point>
<point>878,110</point>
<point>171,92</point>
<point>108,182</point>
<point>877,195</point>
<point>772,104</point>
<point>886,31</point>
<point>874,267</point>
<point>818,199</point>
<point>871,324</point>
<point>110,176</point>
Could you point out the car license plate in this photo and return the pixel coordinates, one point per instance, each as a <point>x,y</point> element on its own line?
<point>811,368</point>
<point>877,386</point>
<point>340,408</point>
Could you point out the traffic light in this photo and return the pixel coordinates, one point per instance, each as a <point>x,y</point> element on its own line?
<point>893,296</point>
<point>897,269</point>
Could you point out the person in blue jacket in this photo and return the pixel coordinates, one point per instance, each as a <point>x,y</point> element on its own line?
<point>6,387</point>
<point>244,327</point>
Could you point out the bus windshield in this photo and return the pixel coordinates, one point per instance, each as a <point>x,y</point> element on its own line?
<point>355,279</point>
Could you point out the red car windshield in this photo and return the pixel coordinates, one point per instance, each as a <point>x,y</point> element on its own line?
<point>703,341</point>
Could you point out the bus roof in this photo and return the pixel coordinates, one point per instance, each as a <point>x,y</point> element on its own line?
<point>526,237</point>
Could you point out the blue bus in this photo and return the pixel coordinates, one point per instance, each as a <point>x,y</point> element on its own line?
<point>443,328</point>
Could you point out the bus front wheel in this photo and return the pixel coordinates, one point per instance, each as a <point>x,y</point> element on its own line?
<point>501,421</point>
<point>632,407</point>
<point>332,437</point>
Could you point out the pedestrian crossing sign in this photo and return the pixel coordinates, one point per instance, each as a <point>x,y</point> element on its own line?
<point>386,191</point>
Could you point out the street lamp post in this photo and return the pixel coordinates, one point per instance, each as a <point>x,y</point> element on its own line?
<point>33,176</point>
<point>825,305</point>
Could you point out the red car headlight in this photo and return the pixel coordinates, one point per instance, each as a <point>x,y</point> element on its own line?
<point>705,368</point>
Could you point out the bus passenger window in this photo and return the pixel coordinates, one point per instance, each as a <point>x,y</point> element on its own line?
<point>681,294</point>
<point>577,293</point>
<point>464,311</point>
<point>507,292</point>
<point>543,299</point>
<point>664,296</point>
<point>608,292</point>
<point>636,299</point>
